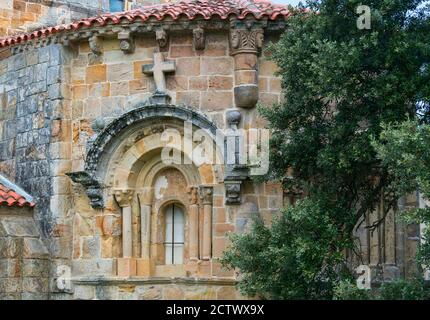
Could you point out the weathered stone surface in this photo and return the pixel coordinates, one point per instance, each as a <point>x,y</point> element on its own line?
<point>151,293</point>
<point>11,247</point>
<point>97,73</point>
<point>84,292</point>
<point>106,293</point>
<point>246,96</point>
<point>18,227</point>
<point>10,285</point>
<point>173,293</point>
<point>10,268</point>
<point>34,285</point>
<point>93,267</point>
<point>217,66</point>
<point>34,249</point>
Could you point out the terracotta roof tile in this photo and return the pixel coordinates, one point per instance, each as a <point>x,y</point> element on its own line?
<point>190,9</point>
<point>11,195</point>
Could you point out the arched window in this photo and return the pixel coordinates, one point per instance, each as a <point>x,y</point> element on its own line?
<point>116,5</point>
<point>174,237</point>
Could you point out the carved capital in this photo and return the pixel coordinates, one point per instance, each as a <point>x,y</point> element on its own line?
<point>206,194</point>
<point>124,197</point>
<point>126,42</point>
<point>161,38</point>
<point>199,39</point>
<point>246,41</point>
<point>193,194</point>
<point>146,196</point>
<point>95,44</point>
<point>233,192</point>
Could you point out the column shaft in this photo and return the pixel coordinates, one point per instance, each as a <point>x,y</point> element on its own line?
<point>194,231</point>
<point>146,230</point>
<point>126,233</point>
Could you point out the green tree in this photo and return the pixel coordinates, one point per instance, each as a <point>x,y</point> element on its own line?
<point>340,85</point>
<point>404,150</point>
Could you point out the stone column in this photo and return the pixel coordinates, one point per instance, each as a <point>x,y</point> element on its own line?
<point>206,196</point>
<point>144,263</point>
<point>126,264</point>
<point>245,46</point>
<point>194,223</point>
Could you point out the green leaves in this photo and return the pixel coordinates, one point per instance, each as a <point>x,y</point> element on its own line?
<point>284,260</point>
<point>404,149</point>
<point>343,86</point>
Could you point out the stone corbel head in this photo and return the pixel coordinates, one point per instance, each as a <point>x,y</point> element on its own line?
<point>206,194</point>
<point>233,192</point>
<point>126,41</point>
<point>199,39</point>
<point>193,194</point>
<point>95,44</point>
<point>161,38</point>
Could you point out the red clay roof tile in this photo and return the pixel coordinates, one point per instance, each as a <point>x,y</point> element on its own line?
<point>190,9</point>
<point>11,197</point>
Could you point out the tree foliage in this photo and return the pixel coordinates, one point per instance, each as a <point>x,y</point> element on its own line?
<point>283,260</point>
<point>340,85</point>
<point>404,149</point>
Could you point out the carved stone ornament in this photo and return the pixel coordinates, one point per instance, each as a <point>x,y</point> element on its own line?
<point>161,38</point>
<point>233,192</point>
<point>206,194</point>
<point>199,39</point>
<point>126,42</point>
<point>92,185</point>
<point>124,197</point>
<point>97,148</point>
<point>193,194</point>
<point>95,44</point>
<point>233,118</point>
<point>246,41</point>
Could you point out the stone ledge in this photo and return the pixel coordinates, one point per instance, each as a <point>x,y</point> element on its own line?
<point>105,281</point>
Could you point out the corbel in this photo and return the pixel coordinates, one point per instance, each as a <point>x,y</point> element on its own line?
<point>162,38</point>
<point>126,41</point>
<point>199,38</point>
<point>95,44</point>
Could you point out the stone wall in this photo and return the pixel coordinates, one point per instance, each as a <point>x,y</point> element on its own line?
<point>34,125</point>
<point>31,106</point>
<point>161,289</point>
<point>17,16</point>
<point>24,259</point>
<point>107,85</point>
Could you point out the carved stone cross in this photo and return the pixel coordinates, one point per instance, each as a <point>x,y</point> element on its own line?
<point>158,69</point>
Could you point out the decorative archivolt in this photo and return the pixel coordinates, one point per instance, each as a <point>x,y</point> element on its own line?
<point>121,148</point>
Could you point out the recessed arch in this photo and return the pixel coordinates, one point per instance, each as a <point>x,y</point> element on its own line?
<point>117,154</point>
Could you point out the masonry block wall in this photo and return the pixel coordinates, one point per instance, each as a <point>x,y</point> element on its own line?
<point>35,127</point>
<point>24,258</point>
<point>106,86</point>
<point>28,15</point>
